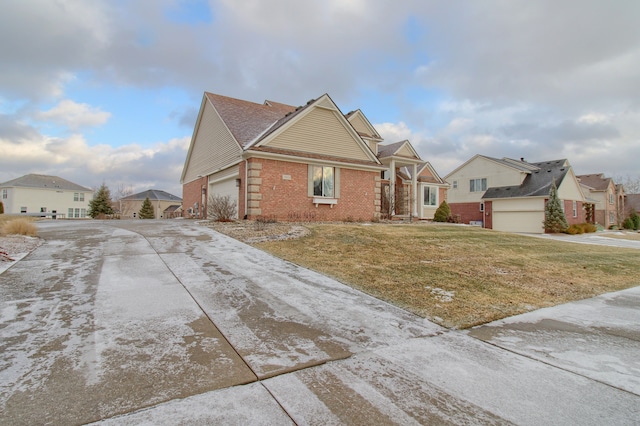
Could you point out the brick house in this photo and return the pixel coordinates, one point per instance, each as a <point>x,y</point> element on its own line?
<point>510,195</point>
<point>287,163</point>
<point>607,197</point>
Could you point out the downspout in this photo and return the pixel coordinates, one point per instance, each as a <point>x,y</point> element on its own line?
<point>246,190</point>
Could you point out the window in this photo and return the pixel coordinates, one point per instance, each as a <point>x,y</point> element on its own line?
<point>70,215</point>
<point>78,196</point>
<point>4,194</point>
<point>77,213</point>
<point>482,206</point>
<point>75,196</point>
<point>478,185</point>
<point>81,196</point>
<point>611,199</point>
<point>575,209</point>
<point>83,212</point>
<point>612,218</point>
<point>430,196</point>
<point>455,184</point>
<point>323,181</point>
<point>43,209</point>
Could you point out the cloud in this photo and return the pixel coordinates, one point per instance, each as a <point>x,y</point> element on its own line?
<point>75,115</point>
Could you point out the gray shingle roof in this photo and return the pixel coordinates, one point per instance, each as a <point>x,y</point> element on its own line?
<point>536,184</point>
<point>154,195</point>
<point>44,182</point>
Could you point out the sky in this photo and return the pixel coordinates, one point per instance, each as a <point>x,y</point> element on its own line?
<point>108,91</point>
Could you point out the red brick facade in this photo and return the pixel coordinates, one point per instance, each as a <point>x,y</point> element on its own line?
<point>279,190</point>
<point>192,193</point>
<point>467,212</point>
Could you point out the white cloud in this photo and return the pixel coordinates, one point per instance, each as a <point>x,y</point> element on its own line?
<point>75,115</point>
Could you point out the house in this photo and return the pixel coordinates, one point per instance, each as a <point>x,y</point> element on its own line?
<point>43,195</point>
<point>510,195</point>
<point>607,197</point>
<point>161,201</point>
<point>310,163</point>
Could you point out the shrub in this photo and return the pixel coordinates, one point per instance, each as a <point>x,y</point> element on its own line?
<point>20,227</point>
<point>574,229</point>
<point>635,218</point>
<point>443,212</point>
<point>221,208</point>
<point>589,227</point>
<point>1,208</point>
<point>628,223</point>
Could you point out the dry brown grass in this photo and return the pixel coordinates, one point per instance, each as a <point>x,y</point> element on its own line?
<point>15,225</point>
<point>460,276</point>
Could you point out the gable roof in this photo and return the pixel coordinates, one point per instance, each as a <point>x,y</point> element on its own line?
<point>44,182</point>
<point>248,120</point>
<point>154,195</point>
<point>595,182</point>
<point>407,173</point>
<point>518,165</point>
<point>536,184</point>
<point>391,150</point>
<point>368,131</point>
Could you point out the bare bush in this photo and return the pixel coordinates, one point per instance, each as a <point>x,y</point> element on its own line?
<point>20,227</point>
<point>221,208</point>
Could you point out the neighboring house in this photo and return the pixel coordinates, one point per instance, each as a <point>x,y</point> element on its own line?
<point>160,200</point>
<point>607,197</point>
<point>291,163</point>
<point>43,195</point>
<point>510,195</point>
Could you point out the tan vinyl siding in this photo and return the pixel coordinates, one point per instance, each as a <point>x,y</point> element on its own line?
<point>224,174</point>
<point>213,147</point>
<point>405,152</point>
<point>358,123</point>
<point>321,132</point>
<point>326,103</point>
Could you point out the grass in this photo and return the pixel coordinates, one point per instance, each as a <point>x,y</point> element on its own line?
<point>460,276</point>
<point>12,225</point>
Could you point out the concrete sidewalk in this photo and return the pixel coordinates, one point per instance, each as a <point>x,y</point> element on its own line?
<point>167,322</point>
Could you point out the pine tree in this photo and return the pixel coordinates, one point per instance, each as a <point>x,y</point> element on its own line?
<point>101,202</point>
<point>146,211</point>
<point>442,213</point>
<point>554,219</point>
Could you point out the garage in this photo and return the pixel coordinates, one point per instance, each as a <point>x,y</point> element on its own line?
<point>509,221</point>
<point>225,186</point>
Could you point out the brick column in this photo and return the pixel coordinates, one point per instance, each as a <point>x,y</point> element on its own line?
<point>254,186</point>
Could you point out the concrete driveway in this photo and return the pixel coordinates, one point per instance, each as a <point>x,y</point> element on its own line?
<point>168,322</point>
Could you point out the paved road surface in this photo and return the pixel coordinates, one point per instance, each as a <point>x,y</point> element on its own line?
<point>168,322</point>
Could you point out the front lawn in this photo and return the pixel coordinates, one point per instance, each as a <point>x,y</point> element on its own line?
<point>460,276</point>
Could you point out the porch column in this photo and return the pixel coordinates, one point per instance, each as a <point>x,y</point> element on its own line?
<point>392,187</point>
<point>414,191</point>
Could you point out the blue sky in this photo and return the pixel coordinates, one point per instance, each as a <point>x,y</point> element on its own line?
<point>108,91</point>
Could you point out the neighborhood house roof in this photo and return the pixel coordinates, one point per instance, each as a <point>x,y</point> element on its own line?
<point>44,182</point>
<point>596,182</point>
<point>154,195</point>
<point>536,184</point>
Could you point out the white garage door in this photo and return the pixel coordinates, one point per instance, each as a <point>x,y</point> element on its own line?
<point>225,187</point>
<point>528,222</point>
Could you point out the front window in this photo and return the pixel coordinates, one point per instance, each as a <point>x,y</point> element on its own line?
<point>612,217</point>
<point>4,194</point>
<point>323,181</point>
<point>70,212</point>
<point>78,196</point>
<point>75,196</point>
<point>430,196</point>
<point>478,185</point>
<point>611,198</point>
<point>455,184</point>
<point>77,213</point>
<point>575,209</point>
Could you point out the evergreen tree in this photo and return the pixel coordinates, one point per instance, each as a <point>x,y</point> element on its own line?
<point>442,213</point>
<point>101,202</point>
<point>146,211</point>
<point>1,208</point>
<point>554,219</point>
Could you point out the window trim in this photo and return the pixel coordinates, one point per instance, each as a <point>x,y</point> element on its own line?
<point>433,189</point>
<point>483,184</point>
<point>336,184</point>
